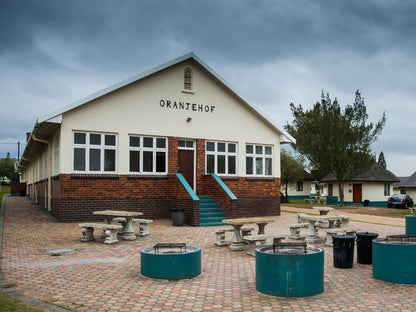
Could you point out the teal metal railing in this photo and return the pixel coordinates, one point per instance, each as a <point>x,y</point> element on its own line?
<point>187,187</point>
<point>224,187</point>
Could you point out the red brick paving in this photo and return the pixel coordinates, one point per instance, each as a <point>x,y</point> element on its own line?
<point>99,277</point>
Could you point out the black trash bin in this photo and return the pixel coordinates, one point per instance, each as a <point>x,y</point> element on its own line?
<point>366,203</point>
<point>177,216</point>
<point>365,247</point>
<point>343,250</point>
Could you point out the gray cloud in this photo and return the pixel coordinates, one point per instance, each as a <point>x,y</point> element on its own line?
<point>53,52</point>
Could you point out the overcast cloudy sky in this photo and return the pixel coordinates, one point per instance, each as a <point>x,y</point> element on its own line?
<point>54,52</point>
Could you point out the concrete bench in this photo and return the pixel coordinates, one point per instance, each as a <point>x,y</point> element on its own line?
<point>295,229</point>
<point>343,222</point>
<point>143,226</point>
<point>338,231</point>
<point>110,230</point>
<point>309,201</point>
<point>255,240</point>
<point>220,234</point>
<point>300,217</point>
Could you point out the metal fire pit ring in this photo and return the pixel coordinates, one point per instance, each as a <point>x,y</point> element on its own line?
<point>394,259</point>
<point>170,261</point>
<point>290,270</point>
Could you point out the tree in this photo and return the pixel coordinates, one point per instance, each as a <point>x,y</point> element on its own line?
<point>7,169</point>
<point>334,140</point>
<point>291,169</point>
<point>382,160</point>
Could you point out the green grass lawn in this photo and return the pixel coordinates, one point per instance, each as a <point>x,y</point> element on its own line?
<point>372,210</point>
<point>8,304</point>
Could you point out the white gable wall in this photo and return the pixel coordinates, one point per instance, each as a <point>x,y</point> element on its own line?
<point>136,109</point>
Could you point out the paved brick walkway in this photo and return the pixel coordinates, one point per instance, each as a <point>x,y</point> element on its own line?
<point>99,277</point>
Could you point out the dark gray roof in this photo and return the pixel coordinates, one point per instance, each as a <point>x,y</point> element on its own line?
<point>307,176</point>
<point>375,174</point>
<point>406,182</point>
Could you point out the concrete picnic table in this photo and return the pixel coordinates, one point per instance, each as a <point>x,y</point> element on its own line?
<point>237,240</point>
<point>323,211</point>
<point>312,234</point>
<point>128,226</point>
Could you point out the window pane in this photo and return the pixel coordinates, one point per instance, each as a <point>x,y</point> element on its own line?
<point>190,144</point>
<point>268,168</point>
<point>160,143</point>
<point>79,138</point>
<point>148,142</point>
<point>221,164</point>
<point>110,140</point>
<point>268,150</point>
<point>210,163</point>
<point>134,161</point>
<point>210,146</point>
<point>79,159</point>
<point>134,141</point>
<point>259,149</point>
<point>231,148</point>
<point>148,161</point>
<point>160,162</point>
<point>249,165</point>
<point>249,149</point>
<point>231,165</point>
<point>95,139</point>
<point>181,143</point>
<point>221,147</point>
<point>95,159</point>
<point>259,165</point>
<point>109,160</point>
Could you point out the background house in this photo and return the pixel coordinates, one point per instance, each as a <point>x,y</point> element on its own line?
<point>304,188</point>
<point>406,185</point>
<point>372,187</point>
<point>161,140</point>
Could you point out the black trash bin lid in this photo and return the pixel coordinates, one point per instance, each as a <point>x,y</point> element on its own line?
<point>366,234</point>
<point>343,237</point>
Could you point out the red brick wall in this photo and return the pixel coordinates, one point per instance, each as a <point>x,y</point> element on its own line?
<point>39,193</point>
<point>18,188</point>
<point>75,197</point>
<point>255,197</point>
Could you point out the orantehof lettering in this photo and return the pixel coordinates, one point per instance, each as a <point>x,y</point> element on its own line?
<point>187,106</point>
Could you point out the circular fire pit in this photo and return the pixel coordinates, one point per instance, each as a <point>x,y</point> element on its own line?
<point>394,259</point>
<point>171,261</point>
<point>290,270</point>
<point>411,224</point>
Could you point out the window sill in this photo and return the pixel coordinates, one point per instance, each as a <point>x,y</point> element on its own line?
<point>93,176</point>
<point>268,179</point>
<point>145,176</point>
<point>188,91</point>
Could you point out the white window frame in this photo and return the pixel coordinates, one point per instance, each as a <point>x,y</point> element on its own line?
<point>141,149</point>
<point>299,186</point>
<point>263,156</point>
<point>87,146</point>
<point>217,153</point>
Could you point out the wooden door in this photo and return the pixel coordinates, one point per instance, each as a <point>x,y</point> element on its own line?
<point>357,194</point>
<point>186,165</point>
